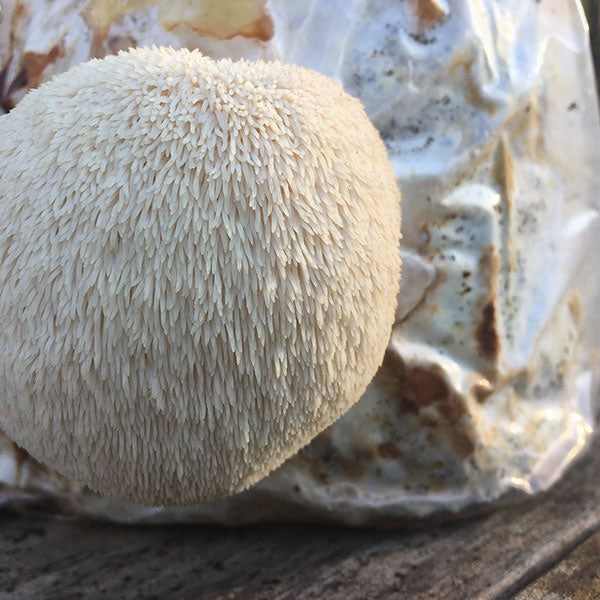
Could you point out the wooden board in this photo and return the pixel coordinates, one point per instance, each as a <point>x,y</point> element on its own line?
<point>577,577</point>
<point>490,557</point>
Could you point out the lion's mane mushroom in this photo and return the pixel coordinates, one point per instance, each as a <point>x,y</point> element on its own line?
<point>198,269</point>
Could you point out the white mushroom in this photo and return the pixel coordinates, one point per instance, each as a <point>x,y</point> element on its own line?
<point>198,269</point>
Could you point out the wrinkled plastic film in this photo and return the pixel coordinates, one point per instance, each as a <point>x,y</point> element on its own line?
<point>490,117</point>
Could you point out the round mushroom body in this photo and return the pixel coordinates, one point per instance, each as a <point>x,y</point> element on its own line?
<point>198,270</point>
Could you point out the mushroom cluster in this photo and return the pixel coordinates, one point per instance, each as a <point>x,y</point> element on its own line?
<point>198,269</point>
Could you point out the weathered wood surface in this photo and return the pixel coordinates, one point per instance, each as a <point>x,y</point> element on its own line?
<point>575,578</point>
<point>490,557</point>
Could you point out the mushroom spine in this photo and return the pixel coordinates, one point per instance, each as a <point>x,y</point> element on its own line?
<point>198,269</point>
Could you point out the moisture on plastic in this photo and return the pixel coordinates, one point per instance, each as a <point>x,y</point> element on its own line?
<point>490,116</point>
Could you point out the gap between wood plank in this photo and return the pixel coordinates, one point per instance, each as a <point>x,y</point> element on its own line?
<point>541,568</point>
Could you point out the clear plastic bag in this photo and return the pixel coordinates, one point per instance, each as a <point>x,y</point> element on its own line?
<point>490,116</point>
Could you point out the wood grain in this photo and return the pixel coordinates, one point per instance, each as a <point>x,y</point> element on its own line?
<point>491,557</point>
<point>575,578</point>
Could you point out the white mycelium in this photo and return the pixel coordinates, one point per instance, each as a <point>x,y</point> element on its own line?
<point>198,269</point>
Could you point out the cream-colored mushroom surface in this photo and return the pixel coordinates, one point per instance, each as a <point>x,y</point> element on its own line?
<point>198,269</point>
